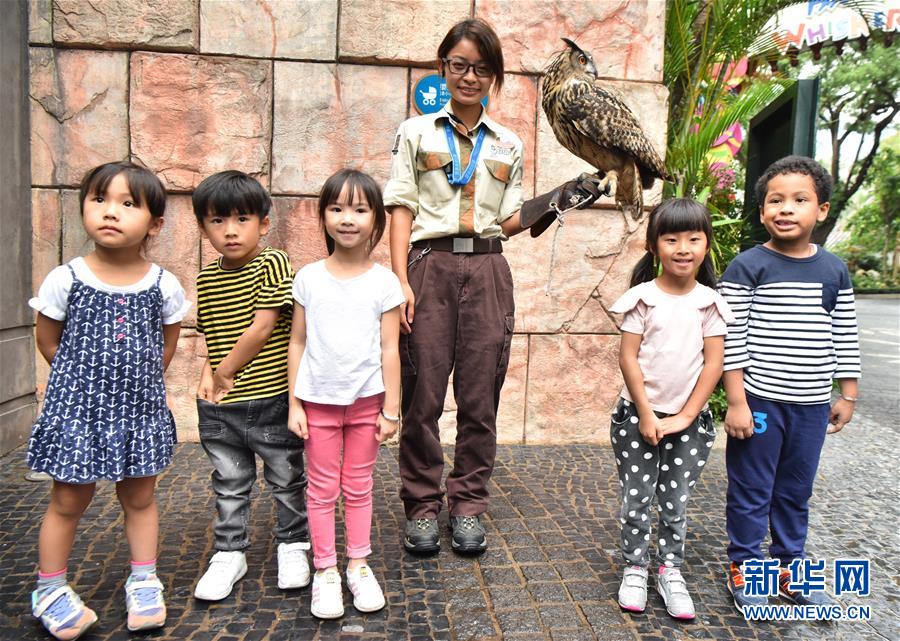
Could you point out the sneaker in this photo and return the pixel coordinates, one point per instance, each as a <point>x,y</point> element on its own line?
<point>817,597</point>
<point>422,536</point>
<point>468,534</point>
<point>367,594</point>
<point>63,614</point>
<point>673,589</point>
<point>225,569</point>
<point>738,589</point>
<point>293,566</point>
<point>327,599</point>
<point>633,590</point>
<point>144,602</point>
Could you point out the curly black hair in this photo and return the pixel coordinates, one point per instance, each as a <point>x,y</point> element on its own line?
<point>796,165</point>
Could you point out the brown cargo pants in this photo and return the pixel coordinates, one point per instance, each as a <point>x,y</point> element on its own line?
<point>464,315</point>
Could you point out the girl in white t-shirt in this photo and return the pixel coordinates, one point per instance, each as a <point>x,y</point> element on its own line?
<point>671,354</point>
<point>344,370</point>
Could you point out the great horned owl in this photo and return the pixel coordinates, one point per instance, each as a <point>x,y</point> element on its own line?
<point>592,121</point>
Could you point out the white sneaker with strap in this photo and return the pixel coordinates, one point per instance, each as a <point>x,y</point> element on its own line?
<point>293,566</point>
<point>633,590</point>
<point>367,594</point>
<point>225,569</point>
<point>673,589</point>
<point>327,596</point>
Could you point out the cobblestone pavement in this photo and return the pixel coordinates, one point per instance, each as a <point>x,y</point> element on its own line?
<point>551,571</point>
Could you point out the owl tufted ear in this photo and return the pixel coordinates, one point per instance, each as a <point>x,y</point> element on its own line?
<point>572,44</point>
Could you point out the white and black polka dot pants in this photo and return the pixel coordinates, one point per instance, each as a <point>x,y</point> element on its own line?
<point>668,471</point>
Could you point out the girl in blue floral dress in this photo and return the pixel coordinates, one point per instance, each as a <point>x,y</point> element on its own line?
<point>108,324</point>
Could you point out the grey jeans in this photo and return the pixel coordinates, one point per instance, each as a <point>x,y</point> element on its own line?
<point>668,472</point>
<point>233,434</point>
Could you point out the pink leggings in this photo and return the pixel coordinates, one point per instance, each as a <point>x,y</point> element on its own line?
<point>354,427</point>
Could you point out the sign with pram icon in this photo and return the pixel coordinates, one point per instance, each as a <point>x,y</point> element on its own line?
<point>430,94</point>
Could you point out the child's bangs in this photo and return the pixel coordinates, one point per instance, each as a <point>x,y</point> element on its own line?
<point>144,187</point>
<point>361,188</point>
<point>233,198</point>
<point>681,216</point>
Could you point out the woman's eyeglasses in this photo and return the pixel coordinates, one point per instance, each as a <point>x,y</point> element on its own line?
<point>460,67</point>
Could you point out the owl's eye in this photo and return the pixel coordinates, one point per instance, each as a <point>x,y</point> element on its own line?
<point>582,59</point>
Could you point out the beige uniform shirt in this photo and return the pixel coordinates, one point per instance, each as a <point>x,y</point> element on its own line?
<point>419,183</point>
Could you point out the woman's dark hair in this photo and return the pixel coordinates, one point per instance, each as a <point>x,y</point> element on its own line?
<point>359,184</point>
<point>671,217</point>
<point>484,37</point>
<point>230,192</point>
<point>145,188</point>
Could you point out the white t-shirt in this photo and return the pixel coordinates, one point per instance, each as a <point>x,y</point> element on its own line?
<point>342,359</point>
<point>53,296</point>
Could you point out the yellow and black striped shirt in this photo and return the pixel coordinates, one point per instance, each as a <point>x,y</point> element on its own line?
<point>227,300</point>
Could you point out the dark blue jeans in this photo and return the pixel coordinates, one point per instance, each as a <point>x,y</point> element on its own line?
<point>233,434</point>
<point>770,479</point>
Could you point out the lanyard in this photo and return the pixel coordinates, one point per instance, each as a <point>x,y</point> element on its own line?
<point>454,176</point>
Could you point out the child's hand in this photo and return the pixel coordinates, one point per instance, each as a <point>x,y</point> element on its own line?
<point>221,385</point>
<point>649,428</point>
<point>739,421</point>
<point>297,420</point>
<point>205,389</point>
<point>672,425</point>
<point>386,429</point>
<point>840,415</point>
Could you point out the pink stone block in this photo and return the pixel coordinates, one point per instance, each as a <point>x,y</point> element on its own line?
<point>328,117</point>
<point>177,249</point>
<point>273,29</point>
<point>40,22</point>
<point>160,24</point>
<point>46,234</point>
<point>624,37</point>
<point>619,275</point>
<point>75,240</point>
<point>573,382</point>
<point>556,164</point>
<point>397,30</point>
<point>182,378</point>
<point>556,274</point>
<point>78,113</point>
<point>192,116</point>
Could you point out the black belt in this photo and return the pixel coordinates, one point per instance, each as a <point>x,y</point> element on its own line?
<point>462,245</point>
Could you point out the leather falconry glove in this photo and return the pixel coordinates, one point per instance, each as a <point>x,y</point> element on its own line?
<point>539,213</point>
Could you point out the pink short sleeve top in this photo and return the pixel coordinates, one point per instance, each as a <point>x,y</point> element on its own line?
<point>672,328</point>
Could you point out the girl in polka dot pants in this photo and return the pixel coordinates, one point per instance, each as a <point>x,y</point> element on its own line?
<point>661,431</point>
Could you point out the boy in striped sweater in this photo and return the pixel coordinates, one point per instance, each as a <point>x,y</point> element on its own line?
<point>244,307</point>
<point>795,332</point>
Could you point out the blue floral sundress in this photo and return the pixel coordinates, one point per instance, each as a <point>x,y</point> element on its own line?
<point>105,414</point>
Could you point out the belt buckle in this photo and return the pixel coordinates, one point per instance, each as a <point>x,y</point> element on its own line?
<point>463,245</point>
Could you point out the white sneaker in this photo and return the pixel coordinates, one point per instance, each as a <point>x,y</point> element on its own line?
<point>367,594</point>
<point>327,599</point>
<point>673,589</point>
<point>633,591</point>
<point>225,569</point>
<point>293,567</point>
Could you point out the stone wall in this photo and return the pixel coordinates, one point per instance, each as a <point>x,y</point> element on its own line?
<point>291,91</point>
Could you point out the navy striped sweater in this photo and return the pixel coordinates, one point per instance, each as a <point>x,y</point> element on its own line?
<point>795,324</point>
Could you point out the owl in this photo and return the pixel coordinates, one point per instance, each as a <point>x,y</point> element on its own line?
<point>592,121</point>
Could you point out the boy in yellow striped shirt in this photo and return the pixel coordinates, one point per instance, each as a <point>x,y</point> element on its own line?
<point>244,312</point>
